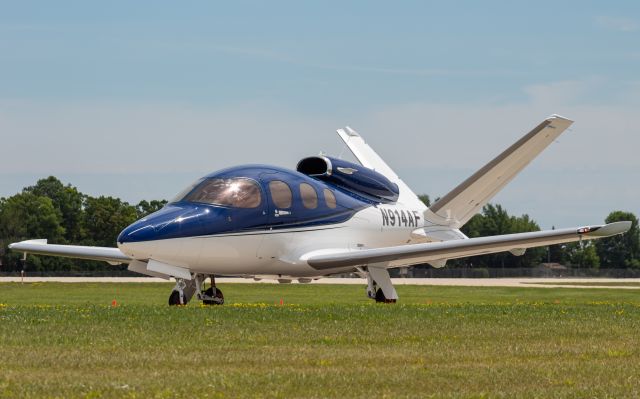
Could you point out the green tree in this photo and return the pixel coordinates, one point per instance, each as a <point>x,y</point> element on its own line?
<point>621,251</point>
<point>105,218</point>
<point>28,216</point>
<point>145,207</point>
<point>425,199</point>
<point>495,220</point>
<point>67,200</point>
<point>583,255</point>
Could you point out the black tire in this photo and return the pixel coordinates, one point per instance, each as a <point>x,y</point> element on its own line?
<point>381,298</point>
<point>218,295</point>
<point>174,298</point>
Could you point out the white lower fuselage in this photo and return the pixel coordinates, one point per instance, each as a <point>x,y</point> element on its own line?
<point>278,252</point>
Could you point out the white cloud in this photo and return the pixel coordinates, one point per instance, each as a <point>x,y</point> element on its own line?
<point>621,24</point>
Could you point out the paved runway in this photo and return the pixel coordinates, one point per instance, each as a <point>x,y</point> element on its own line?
<point>467,282</point>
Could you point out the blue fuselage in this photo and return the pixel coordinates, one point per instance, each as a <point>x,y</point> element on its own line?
<point>190,216</point>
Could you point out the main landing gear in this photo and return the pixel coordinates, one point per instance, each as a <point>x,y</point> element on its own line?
<point>379,286</point>
<point>185,289</point>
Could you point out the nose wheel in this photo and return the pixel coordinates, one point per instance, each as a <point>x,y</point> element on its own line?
<point>185,289</point>
<point>182,292</point>
<point>175,299</point>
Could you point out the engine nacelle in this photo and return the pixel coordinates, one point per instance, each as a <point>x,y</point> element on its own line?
<point>355,178</point>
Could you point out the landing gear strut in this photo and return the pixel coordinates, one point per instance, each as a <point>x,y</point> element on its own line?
<point>379,285</point>
<point>182,292</point>
<point>185,289</point>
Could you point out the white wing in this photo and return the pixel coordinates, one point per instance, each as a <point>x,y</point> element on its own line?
<point>429,252</point>
<point>40,247</point>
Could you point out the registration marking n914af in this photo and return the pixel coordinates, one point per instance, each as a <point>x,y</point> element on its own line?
<point>399,217</point>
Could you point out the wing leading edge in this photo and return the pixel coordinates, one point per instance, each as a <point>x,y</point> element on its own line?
<point>40,247</point>
<point>423,253</point>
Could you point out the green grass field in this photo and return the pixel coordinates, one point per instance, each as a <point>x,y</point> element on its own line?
<point>588,283</point>
<point>66,340</point>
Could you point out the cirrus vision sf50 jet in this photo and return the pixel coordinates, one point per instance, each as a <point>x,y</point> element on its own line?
<point>328,216</point>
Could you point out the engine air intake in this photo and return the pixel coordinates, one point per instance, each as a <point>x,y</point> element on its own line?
<point>352,177</point>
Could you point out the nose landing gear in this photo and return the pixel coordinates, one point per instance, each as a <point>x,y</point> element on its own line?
<point>185,289</point>
<point>182,292</point>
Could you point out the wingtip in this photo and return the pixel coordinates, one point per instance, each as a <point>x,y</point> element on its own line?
<point>350,132</point>
<point>16,245</point>
<point>556,117</point>
<point>612,229</point>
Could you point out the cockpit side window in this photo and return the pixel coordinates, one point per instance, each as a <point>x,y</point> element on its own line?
<point>236,192</point>
<point>280,194</point>
<point>329,198</point>
<point>309,196</point>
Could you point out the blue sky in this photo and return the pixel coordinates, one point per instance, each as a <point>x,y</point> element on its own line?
<point>135,99</point>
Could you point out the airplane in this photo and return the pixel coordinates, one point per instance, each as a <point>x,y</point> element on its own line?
<point>328,216</point>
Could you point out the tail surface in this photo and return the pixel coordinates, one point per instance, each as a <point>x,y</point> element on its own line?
<point>370,159</point>
<point>463,202</point>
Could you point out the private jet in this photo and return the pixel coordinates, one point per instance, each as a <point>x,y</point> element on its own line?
<point>328,216</point>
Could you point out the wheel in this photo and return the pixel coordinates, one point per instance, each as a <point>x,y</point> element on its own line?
<point>381,298</point>
<point>370,294</point>
<point>174,298</point>
<point>219,298</point>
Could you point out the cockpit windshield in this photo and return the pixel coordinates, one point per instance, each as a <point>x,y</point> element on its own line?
<point>187,190</point>
<point>234,192</point>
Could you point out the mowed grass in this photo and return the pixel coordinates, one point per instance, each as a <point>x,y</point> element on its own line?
<point>635,284</point>
<point>66,340</point>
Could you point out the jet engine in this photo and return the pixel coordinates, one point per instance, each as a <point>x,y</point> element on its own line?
<point>357,179</point>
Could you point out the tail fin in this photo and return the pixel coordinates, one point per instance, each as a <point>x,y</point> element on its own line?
<point>369,159</point>
<point>463,202</point>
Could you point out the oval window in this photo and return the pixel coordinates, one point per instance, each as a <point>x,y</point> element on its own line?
<point>329,198</point>
<point>309,196</point>
<point>280,194</point>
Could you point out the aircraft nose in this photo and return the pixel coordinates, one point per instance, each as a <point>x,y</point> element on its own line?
<point>165,223</point>
<point>138,231</point>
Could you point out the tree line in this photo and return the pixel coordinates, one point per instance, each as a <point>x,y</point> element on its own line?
<point>50,209</point>
<point>618,252</point>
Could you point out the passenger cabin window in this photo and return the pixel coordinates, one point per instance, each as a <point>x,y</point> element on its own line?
<point>309,196</point>
<point>236,192</point>
<point>329,198</point>
<point>280,194</point>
